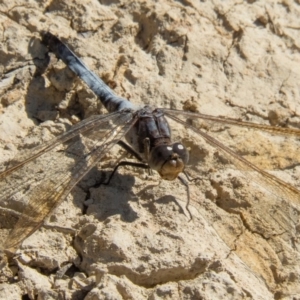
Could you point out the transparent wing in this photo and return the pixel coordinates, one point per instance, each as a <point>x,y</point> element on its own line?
<point>229,121</point>
<point>272,183</point>
<point>272,211</point>
<point>265,179</point>
<point>39,182</point>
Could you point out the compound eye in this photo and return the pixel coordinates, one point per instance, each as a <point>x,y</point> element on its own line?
<point>163,152</point>
<point>168,160</point>
<point>181,151</point>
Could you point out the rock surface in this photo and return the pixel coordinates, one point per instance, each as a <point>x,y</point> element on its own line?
<point>133,239</point>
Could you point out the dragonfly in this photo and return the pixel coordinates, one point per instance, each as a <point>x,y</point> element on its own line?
<point>43,178</point>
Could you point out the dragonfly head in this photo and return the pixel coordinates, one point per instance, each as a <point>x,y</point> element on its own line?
<point>168,160</point>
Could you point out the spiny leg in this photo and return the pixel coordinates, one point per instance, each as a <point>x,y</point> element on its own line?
<point>123,163</point>
<point>147,151</point>
<point>130,150</point>
<point>188,177</point>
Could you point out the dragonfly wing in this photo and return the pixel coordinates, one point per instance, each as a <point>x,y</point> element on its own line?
<point>278,213</point>
<point>230,121</point>
<point>285,194</point>
<point>265,179</point>
<point>46,178</point>
<point>81,127</point>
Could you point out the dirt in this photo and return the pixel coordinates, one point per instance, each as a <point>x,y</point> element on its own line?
<point>134,239</point>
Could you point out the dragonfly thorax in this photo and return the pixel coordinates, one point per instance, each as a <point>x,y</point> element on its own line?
<point>168,160</point>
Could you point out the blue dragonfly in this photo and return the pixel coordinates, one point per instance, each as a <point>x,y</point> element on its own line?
<point>142,131</point>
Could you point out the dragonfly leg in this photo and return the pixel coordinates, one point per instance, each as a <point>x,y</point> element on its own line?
<point>184,182</point>
<point>188,177</point>
<point>130,150</point>
<point>123,163</point>
<point>147,151</point>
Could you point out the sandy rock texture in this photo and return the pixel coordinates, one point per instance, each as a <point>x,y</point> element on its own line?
<point>133,238</point>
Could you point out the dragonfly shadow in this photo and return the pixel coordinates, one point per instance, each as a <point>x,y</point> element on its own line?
<point>113,199</point>
<point>167,199</point>
<point>37,90</point>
